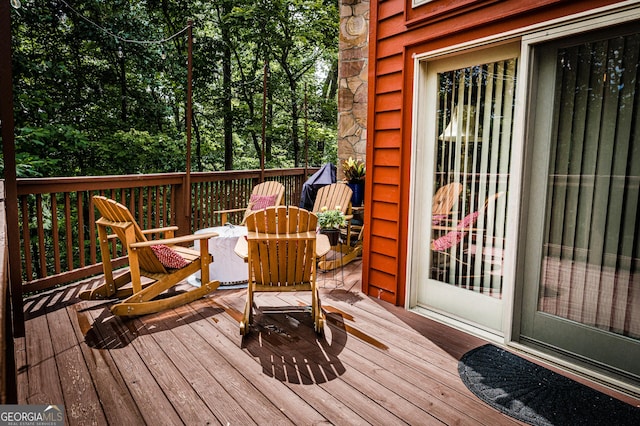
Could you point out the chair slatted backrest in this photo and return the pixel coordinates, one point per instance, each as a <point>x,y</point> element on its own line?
<point>119,219</point>
<point>335,194</point>
<point>282,252</point>
<point>265,189</point>
<point>445,198</point>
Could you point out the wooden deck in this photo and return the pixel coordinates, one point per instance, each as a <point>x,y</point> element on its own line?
<point>377,364</point>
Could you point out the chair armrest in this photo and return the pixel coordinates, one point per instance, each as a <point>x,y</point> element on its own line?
<point>225,213</point>
<point>149,231</point>
<point>230,211</point>
<point>176,240</point>
<point>158,230</point>
<point>112,236</point>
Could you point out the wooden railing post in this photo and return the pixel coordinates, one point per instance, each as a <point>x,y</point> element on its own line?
<point>7,349</point>
<point>182,213</point>
<point>15,315</point>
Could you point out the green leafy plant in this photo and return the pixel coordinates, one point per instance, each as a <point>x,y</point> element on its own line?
<point>354,170</point>
<point>331,219</point>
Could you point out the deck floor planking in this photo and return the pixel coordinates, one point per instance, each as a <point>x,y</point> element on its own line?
<point>376,363</point>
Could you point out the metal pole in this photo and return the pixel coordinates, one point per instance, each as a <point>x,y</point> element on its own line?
<point>264,125</point>
<point>306,133</point>
<point>187,206</point>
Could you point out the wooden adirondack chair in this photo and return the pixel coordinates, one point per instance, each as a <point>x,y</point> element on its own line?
<point>443,201</point>
<point>331,196</point>
<point>456,235</point>
<point>265,194</point>
<point>163,262</point>
<point>282,257</point>
<point>334,195</point>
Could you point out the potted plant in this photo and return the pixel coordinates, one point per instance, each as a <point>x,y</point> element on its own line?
<point>330,222</point>
<point>354,172</point>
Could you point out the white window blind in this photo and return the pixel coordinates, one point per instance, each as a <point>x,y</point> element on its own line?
<point>475,121</point>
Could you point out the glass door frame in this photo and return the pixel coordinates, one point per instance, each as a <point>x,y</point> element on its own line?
<point>422,186</point>
<point>549,328</point>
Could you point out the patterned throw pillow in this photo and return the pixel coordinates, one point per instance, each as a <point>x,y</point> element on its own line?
<point>169,257</point>
<point>259,202</point>
<point>437,219</point>
<point>468,220</point>
<point>447,241</point>
<point>454,237</point>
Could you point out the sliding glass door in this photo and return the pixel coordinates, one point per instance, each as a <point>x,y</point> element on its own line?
<point>467,132</point>
<point>582,279</point>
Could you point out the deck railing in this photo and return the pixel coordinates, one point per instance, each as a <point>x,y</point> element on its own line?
<point>57,216</point>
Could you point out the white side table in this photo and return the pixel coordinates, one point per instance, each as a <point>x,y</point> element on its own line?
<point>226,267</point>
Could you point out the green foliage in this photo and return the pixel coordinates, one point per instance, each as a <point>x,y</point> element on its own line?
<point>331,218</point>
<point>53,150</point>
<point>322,148</point>
<point>141,152</point>
<point>26,165</point>
<point>354,170</point>
<point>81,109</point>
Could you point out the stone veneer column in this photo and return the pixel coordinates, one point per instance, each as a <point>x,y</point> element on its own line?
<point>352,80</point>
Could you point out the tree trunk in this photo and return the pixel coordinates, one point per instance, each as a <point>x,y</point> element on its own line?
<point>330,87</point>
<point>226,88</point>
<point>293,85</point>
<point>123,92</point>
<point>269,118</point>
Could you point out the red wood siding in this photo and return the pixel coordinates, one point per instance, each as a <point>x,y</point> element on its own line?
<point>397,32</point>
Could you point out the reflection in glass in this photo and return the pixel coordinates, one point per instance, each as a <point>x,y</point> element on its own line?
<point>475,120</point>
<point>590,258</point>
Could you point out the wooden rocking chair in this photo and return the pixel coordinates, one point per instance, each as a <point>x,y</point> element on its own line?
<point>282,257</point>
<point>447,243</point>
<point>333,196</point>
<point>443,201</point>
<point>145,261</point>
<point>265,194</point>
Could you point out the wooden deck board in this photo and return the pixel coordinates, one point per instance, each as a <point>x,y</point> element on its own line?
<point>446,397</point>
<point>240,380</point>
<point>403,355</point>
<point>43,382</point>
<point>191,362</point>
<point>110,385</point>
<point>185,400</point>
<point>264,375</point>
<point>80,400</point>
<point>370,390</point>
<point>302,358</point>
<point>376,364</point>
<point>309,373</point>
<point>110,339</point>
<point>191,365</point>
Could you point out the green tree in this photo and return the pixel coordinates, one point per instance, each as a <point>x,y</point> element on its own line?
<point>107,80</point>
